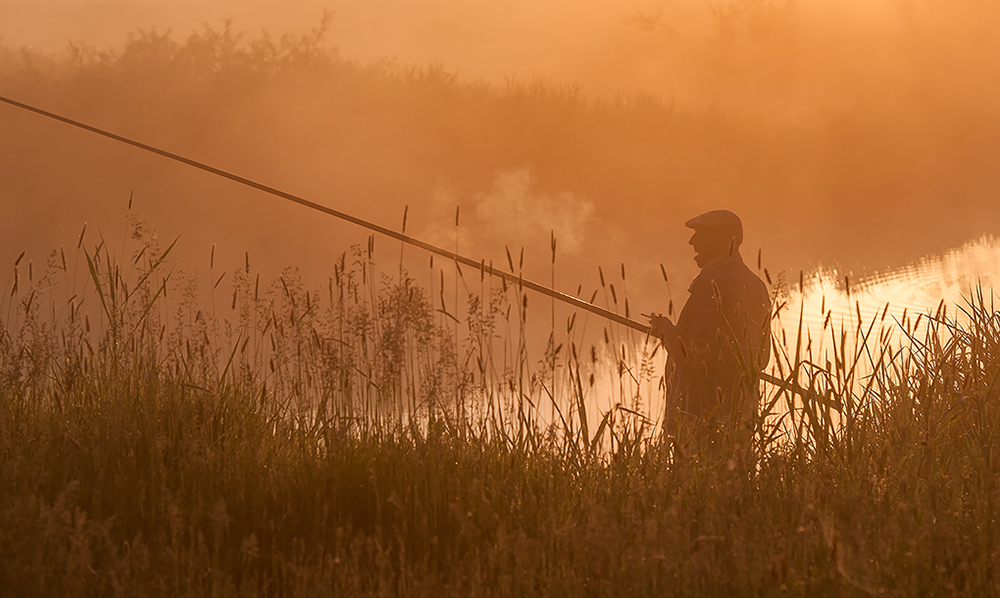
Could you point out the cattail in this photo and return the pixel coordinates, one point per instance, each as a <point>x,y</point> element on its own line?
<point>601,273</point>
<point>664,272</point>
<point>406,209</point>
<point>211,261</point>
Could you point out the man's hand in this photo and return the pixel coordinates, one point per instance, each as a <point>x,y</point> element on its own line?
<point>661,327</point>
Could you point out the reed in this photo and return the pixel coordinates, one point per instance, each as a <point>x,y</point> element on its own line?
<point>296,441</point>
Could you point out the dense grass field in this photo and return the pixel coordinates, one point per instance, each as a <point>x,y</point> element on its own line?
<point>368,439</point>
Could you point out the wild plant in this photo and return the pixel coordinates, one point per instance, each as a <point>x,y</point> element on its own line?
<point>285,439</point>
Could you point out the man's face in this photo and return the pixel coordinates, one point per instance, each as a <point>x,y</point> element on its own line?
<point>709,244</point>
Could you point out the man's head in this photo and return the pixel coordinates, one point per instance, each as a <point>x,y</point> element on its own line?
<point>716,233</point>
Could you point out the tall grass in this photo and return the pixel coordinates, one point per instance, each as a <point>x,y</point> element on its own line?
<point>263,438</point>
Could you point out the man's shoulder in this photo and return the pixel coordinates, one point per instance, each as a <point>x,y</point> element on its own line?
<point>743,273</point>
<point>730,270</point>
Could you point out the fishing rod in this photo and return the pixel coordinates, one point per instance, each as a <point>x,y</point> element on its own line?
<point>481,265</point>
<point>460,259</point>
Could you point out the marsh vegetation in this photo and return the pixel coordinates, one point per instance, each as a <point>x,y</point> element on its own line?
<point>374,424</point>
<point>265,438</point>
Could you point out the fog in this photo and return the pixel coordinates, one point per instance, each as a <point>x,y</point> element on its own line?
<point>855,135</point>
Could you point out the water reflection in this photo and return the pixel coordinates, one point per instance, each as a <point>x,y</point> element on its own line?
<point>920,287</point>
<point>833,335</point>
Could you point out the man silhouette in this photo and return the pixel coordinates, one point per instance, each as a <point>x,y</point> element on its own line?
<point>721,340</point>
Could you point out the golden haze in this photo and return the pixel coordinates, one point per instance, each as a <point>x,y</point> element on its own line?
<point>859,134</point>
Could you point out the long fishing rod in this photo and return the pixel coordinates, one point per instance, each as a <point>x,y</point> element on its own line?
<point>481,265</point>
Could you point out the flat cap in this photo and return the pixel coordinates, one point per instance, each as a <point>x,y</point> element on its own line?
<point>720,220</point>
